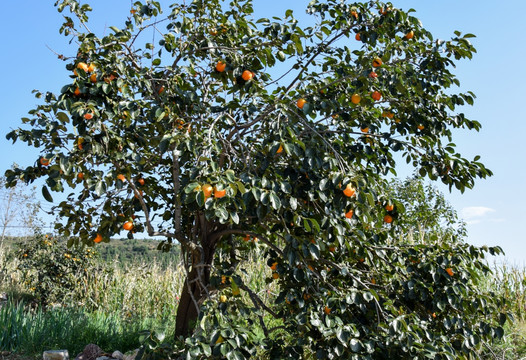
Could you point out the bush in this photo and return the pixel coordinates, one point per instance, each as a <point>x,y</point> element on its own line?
<point>51,271</point>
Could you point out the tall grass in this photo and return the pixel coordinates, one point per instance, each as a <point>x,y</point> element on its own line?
<point>510,282</point>
<point>109,306</point>
<point>113,302</point>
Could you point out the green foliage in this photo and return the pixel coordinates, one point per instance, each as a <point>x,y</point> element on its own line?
<point>150,130</point>
<point>33,331</point>
<point>422,210</point>
<point>51,271</point>
<point>153,347</point>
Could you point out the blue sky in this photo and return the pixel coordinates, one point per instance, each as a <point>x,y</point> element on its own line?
<point>494,209</point>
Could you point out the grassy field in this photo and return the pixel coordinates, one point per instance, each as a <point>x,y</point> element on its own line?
<point>130,290</point>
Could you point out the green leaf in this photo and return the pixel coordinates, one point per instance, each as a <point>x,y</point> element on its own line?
<point>306,225</point>
<point>46,194</point>
<point>356,345</point>
<point>62,117</point>
<point>100,187</point>
<point>293,203</point>
<point>343,336</point>
<point>275,201</point>
<point>165,142</point>
<point>234,216</point>
<point>231,176</point>
<point>324,184</point>
<point>314,251</point>
<point>285,187</point>
<point>289,148</point>
<point>200,198</point>
<point>190,187</point>
<point>207,350</point>
<point>241,187</point>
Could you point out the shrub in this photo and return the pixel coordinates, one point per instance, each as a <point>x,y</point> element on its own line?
<point>51,270</point>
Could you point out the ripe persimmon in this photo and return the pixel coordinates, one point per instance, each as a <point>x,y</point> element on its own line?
<point>121,177</point>
<point>128,225</point>
<point>280,149</point>
<point>77,92</point>
<point>364,129</point>
<point>420,127</point>
<point>301,103</point>
<point>80,176</point>
<point>220,66</point>
<point>88,116</point>
<point>91,67</point>
<point>349,190</point>
<point>44,161</point>
<point>376,95</point>
<point>275,275</point>
<point>373,75</point>
<point>274,266</point>
<point>83,66</point>
<point>388,219</point>
<point>389,207</point>
<point>349,214</point>
<point>247,75</point>
<point>354,13</point>
<point>218,194</point>
<point>141,181</point>
<point>207,190</point>
<point>98,238</point>
<point>409,35</point>
<point>449,271</point>
<point>355,99</point>
<point>384,10</point>
<point>358,37</point>
<point>388,114</point>
<point>93,78</point>
<point>327,310</point>
<point>377,62</point>
<point>212,32</point>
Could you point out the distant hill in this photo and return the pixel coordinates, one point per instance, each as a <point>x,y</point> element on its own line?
<point>123,250</point>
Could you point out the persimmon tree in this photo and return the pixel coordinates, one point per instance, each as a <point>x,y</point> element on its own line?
<point>220,132</point>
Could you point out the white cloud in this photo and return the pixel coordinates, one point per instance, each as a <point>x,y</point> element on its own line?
<point>472,222</point>
<point>471,213</point>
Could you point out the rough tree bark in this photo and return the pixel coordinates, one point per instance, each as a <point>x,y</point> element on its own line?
<point>195,288</point>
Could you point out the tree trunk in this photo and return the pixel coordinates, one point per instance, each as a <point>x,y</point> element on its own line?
<point>195,284</point>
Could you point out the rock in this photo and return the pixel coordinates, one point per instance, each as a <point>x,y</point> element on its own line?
<point>117,355</point>
<point>55,355</point>
<point>91,352</point>
<point>131,355</point>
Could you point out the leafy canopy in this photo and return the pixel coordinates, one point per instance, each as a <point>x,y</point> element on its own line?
<point>228,128</point>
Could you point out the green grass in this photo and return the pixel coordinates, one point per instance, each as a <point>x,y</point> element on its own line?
<point>33,331</point>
